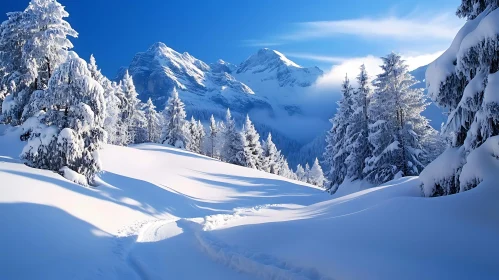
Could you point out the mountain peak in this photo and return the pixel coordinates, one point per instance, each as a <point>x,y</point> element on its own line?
<point>267,60</point>
<point>269,53</point>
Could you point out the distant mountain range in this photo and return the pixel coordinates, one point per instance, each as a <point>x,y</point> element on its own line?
<point>272,89</point>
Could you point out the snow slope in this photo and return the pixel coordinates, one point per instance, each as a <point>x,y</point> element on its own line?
<point>163,213</point>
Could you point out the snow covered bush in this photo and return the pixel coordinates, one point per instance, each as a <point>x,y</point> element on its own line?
<point>464,80</point>
<point>68,133</point>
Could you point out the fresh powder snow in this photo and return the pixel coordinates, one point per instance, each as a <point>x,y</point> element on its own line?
<point>164,213</point>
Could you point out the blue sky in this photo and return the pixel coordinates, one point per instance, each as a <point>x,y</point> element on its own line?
<point>322,33</point>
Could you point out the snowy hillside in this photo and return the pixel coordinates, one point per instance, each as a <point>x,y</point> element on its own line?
<point>163,213</point>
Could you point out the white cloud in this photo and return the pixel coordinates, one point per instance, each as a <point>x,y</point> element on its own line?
<point>439,27</point>
<point>333,77</point>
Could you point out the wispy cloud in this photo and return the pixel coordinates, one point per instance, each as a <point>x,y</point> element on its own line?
<point>315,57</point>
<point>420,27</point>
<point>440,27</point>
<point>260,43</point>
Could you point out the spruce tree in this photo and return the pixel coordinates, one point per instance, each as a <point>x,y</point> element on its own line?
<point>112,114</point>
<point>153,122</point>
<point>300,173</point>
<point>213,136</point>
<point>69,133</point>
<point>464,82</point>
<point>252,147</point>
<point>357,132</point>
<point>132,118</point>
<point>40,33</point>
<point>194,136</point>
<point>397,127</point>
<point>175,131</point>
<point>233,144</point>
<point>202,136</point>
<point>316,176</point>
<point>271,156</point>
<point>336,151</point>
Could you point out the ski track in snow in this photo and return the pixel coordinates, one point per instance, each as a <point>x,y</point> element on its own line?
<point>263,266</point>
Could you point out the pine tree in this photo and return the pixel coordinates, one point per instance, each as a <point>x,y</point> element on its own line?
<point>306,178</point>
<point>153,122</point>
<point>113,103</point>
<point>132,118</point>
<point>194,136</point>
<point>40,32</point>
<point>202,136</point>
<point>470,9</point>
<point>175,131</point>
<point>357,132</point>
<point>121,133</point>
<point>397,127</point>
<point>316,177</point>
<point>12,80</point>
<point>252,147</point>
<point>465,84</point>
<point>271,156</point>
<point>336,152</point>
<point>69,134</point>
<point>233,145</point>
<point>213,136</point>
<point>300,173</point>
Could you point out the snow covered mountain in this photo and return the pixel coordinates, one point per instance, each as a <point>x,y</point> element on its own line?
<point>267,86</point>
<point>158,70</point>
<point>218,85</point>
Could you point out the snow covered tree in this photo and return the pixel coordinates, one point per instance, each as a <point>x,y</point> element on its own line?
<point>271,156</point>
<point>113,103</point>
<point>283,168</point>
<point>306,178</point>
<point>252,147</point>
<point>67,136</point>
<point>140,125</point>
<point>300,173</point>
<point>120,135</point>
<point>201,135</point>
<point>12,80</point>
<point>153,122</point>
<point>397,127</point>
<point>196,133</point>
<point>212,136</point>
<point>175,131</point>
<point>336,149</point>
<point>45,47</point>
<point>132,118</point>
<point>233,145</point>
<point>316,177</point>
<point>470,9</point>
<point>357,132</point>
<point>464,81</point>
